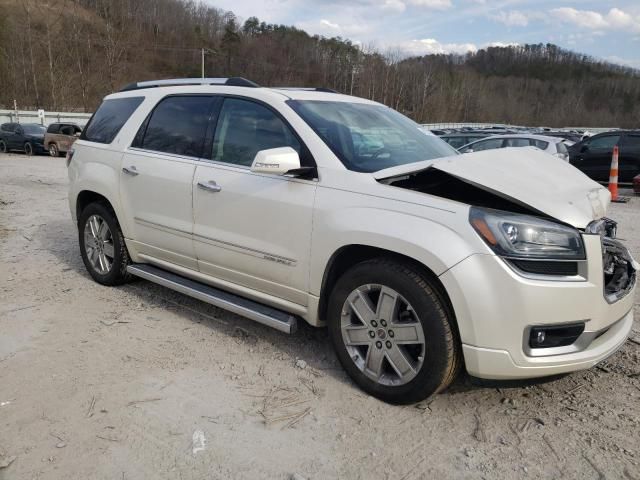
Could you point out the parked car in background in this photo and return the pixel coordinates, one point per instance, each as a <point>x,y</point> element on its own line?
<point>593,155</point>
<point>25,137</point>
<point>457,140</point>
<point>60,137</point>
<point>553,145</point>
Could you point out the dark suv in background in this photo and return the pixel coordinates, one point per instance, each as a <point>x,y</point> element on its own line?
<point>25,137</point>
<point>593,155</point>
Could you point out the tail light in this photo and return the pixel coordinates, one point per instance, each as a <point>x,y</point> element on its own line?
<point>69,157</point>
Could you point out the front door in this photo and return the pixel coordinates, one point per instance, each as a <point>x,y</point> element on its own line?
<point>157,178</point>
<point>253,230</point>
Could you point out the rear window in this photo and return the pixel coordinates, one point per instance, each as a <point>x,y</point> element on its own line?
<point>109,119</point>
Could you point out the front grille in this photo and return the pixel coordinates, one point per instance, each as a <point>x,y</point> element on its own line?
<point>619,274</point>
<point>536,267</point>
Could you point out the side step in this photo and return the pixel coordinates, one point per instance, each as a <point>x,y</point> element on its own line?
<point>258,312</point>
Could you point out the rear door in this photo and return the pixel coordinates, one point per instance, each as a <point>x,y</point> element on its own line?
<point>157,176</point>
<point>253,230</point>
<point>629,163</point>
<point>594,156</point>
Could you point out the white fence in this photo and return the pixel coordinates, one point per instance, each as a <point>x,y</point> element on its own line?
<point>31,116</point>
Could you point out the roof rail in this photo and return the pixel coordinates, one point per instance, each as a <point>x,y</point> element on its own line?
<point>308,89</point>
<point>231,82</point>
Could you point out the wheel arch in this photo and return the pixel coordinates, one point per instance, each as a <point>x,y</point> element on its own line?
<point>86,197</point>
<point>349,255</point>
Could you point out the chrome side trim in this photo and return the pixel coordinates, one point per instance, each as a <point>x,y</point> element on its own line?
<point>289,262</point>
<point>257,312</point>
<point>164,228</point>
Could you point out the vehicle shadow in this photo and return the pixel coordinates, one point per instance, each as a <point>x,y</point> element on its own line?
<point>308,343</point>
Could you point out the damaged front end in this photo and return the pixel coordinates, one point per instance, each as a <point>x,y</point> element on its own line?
<point>619,267</point>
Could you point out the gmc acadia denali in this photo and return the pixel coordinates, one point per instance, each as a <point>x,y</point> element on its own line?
<point>281,204</point>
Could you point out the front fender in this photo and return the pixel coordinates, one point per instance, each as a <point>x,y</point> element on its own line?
<point>436,238</point>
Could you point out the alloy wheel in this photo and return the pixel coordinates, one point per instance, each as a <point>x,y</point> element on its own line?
<point>98,244</point>
<point>382,334</point>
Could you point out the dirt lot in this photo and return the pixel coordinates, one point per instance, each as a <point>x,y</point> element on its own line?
<point>140,382</point>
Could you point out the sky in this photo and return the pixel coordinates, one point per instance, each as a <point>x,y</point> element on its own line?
<point>609,30</point>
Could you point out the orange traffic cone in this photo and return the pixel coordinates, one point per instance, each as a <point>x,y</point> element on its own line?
<point>613,177</point>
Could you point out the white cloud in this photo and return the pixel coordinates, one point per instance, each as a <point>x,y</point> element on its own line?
<point>432,4</point>
<point>394,5</point>
<point>330,28</point>
<point>328,24</point>
<point>429,46</point>
<point>615,19</point>
<point>513,18</point>
<point>624,61</point>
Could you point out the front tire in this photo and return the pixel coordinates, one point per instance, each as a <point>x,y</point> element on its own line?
<point>102,245</point>
<point>28,149</point>
<point>393,332</point>
<point>53,150</point>
<point>3,147</point>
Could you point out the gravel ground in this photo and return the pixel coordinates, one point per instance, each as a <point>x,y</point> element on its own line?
<point>140,382</point>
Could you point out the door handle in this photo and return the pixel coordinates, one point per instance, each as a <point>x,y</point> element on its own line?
<point>130,170</point>
<point>210,186</point>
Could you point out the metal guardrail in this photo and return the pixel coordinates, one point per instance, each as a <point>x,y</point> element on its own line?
<point>31,116</point>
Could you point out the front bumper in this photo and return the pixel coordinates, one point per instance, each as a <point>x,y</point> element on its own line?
<point>495,307</point>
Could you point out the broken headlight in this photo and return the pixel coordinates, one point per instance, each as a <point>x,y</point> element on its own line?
<point>514,235</point>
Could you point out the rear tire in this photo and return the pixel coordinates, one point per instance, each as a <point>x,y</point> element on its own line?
<point>28,149</point>
<point>3,147</point>
<point>53,150</point>
<point>400,357</point>
<point>102,245</point>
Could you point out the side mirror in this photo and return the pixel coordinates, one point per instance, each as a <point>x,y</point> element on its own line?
<point>468,150</point>
<point>276,161</point>
<point>584,148</point>
<point>77,134</point>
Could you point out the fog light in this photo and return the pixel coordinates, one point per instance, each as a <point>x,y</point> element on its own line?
<point>555,336</point>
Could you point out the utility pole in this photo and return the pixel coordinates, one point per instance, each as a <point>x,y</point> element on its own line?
<point>203,63</point>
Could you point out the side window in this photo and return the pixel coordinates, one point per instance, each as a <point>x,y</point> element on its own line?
<point>53,128</point>
<point>517,142</point>
<point>244,128</point>
<point>67,130</point>
<point>109,119</point>
<point>487,144</point>
<point>177,125</point>
<point>541,144</point>
<point>606,142</point>
<point>632,140</point>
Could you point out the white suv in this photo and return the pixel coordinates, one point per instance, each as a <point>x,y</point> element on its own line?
<point>288,204</point>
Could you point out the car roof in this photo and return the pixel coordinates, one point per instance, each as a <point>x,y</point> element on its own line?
<point>543,138</point>
<point>262,93</point>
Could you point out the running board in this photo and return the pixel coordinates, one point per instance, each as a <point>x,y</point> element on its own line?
<point>258,312</point>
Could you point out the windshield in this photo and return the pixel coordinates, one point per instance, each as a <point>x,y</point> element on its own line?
<point>33,129</point>
<point>368,138</point>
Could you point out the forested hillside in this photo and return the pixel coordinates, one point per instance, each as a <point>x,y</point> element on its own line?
<point>67,54</point>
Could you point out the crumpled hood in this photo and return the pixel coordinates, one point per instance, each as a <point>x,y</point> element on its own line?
<point>526,176</point>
